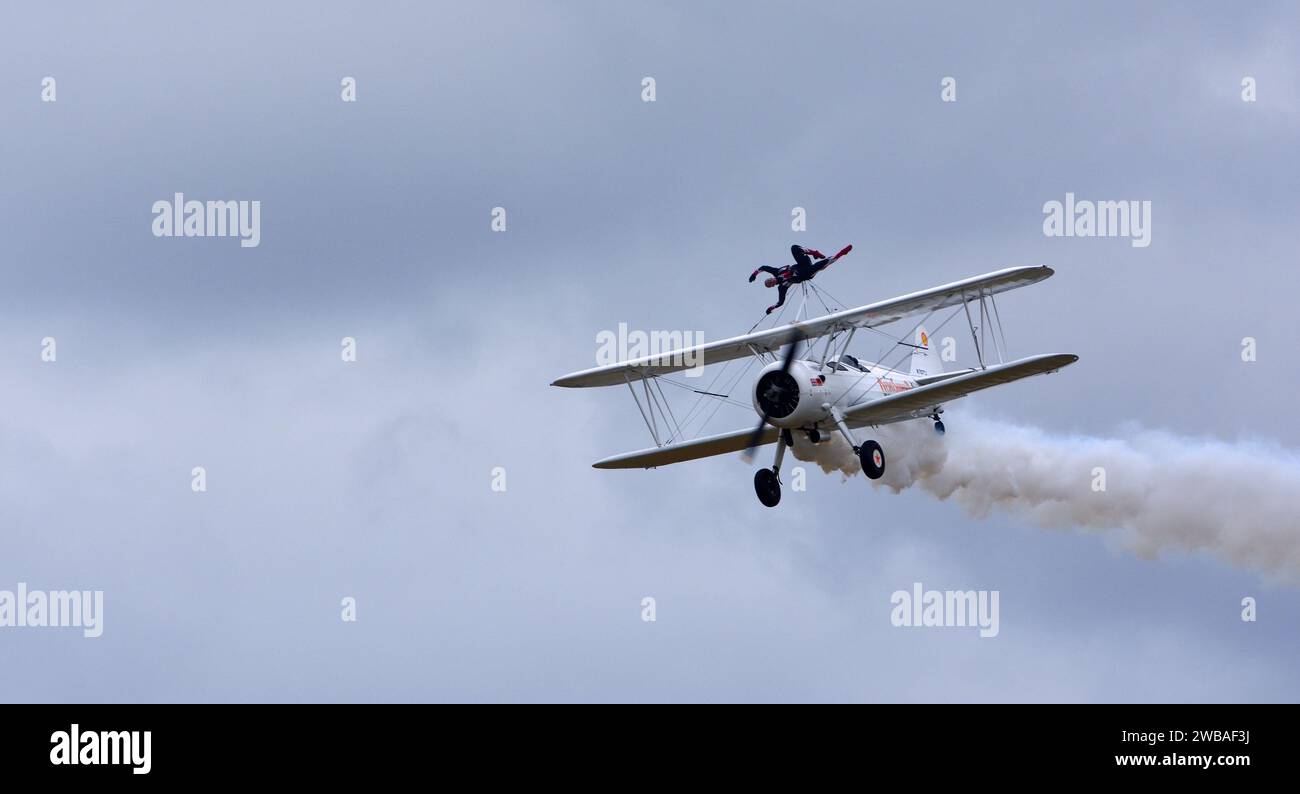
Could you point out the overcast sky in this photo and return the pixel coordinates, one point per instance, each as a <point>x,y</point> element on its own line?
<point>372,479</point>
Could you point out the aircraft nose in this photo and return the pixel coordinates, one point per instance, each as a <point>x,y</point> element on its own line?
<point>777,394</point>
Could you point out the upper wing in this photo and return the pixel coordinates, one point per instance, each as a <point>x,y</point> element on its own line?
<point>922,400</point>
<point>879,313</point>
<point>706,447</point>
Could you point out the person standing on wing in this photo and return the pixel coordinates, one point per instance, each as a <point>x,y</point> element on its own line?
<point>803,269</point>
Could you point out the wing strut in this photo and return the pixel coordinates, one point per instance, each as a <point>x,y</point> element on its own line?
<point>656,410</point>
<point>650,424</point>
<point>978,332</point>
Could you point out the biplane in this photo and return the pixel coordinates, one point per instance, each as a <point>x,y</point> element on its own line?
<point>825,390</point>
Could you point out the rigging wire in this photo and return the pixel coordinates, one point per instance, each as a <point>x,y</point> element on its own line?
<point>665,410</point>
<point>695,407</point>
<point>834,299</point>
<point>818,293</point>
<point>897,343</point>
<point>726,398</point>
<point>735,381</point>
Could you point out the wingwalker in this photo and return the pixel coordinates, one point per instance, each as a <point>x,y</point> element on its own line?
<point>817,394</point>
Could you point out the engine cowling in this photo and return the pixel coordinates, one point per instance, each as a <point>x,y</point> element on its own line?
<point>789,399</point>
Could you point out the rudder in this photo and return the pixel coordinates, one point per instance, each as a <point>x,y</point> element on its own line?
<point>925,361</point>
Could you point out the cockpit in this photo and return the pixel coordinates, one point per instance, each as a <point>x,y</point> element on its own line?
<point>846,363</point>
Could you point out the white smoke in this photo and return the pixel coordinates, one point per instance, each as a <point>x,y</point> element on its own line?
<point>1239,501</point>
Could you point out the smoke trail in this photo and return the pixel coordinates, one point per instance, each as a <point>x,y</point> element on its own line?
<point>1239,502</point>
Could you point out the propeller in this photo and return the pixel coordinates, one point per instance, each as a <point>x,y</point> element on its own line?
<point>777,390</point>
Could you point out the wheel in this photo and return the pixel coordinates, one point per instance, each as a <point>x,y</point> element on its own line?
<point>938,427</point>
<point>768,487</point>
<point>872,458</point>
<point>814,436</point>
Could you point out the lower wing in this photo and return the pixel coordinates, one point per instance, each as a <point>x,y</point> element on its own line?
<point>922,400</point>
<point>911,404</point>
<point>707,447</point>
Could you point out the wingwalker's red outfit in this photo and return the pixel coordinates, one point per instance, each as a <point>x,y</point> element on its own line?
<point>803,269</point>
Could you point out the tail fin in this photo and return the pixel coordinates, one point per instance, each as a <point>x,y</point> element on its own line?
<point>925,360</point>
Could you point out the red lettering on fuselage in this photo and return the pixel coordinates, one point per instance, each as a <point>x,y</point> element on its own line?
<point>891,387</point>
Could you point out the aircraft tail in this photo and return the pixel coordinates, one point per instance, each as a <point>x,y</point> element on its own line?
<point>925,359</point>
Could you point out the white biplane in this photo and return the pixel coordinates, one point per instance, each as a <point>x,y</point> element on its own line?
<point>818,394</point>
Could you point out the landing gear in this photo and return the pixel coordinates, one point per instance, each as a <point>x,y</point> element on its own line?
<point>869,453</point>
<point>815,436</point>
<point>938,426</point>
<point>767,482</point>
<point>768,487</point>
<point>872,458</point>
